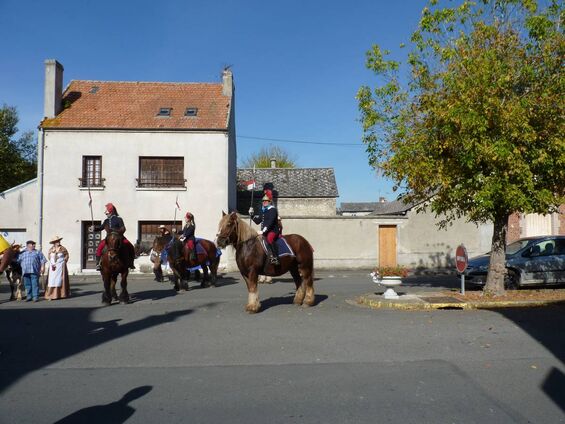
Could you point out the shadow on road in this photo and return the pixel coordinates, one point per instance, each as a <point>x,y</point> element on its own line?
<point>116,412</point>
<point>287,300</point>
<point>32,338</point>
<point>547,326</point>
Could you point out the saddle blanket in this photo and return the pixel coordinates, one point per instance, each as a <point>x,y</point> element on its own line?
<point>283,248</point>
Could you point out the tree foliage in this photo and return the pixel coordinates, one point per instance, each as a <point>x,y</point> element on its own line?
<point>478,130</point>
<point>17,156</point>
<point>262,159</point>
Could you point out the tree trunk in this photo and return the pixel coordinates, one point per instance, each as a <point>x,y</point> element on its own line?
<point>497,267</point>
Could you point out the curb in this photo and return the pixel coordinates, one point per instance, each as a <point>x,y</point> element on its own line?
<point>416,303</point>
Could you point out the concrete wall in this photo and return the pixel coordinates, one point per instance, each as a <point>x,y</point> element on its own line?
<point>207,170</point>
<point>306,206</point>
<point>421,244</point>
<point>19,212</point>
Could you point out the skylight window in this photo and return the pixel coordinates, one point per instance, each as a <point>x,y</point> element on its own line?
<point>191,111</point>
<point>164,111</point>
<point>94,89</point>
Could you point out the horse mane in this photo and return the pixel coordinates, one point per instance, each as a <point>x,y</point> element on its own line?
<point>244,231</point>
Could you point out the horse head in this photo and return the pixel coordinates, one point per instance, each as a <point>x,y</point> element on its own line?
<point>113,244</point>
<point>227,230</point>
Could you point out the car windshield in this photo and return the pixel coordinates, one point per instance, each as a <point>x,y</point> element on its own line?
<point>517,245</point>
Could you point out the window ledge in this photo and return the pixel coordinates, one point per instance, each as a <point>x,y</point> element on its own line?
<point>161,189</point>
<point>97,188</point>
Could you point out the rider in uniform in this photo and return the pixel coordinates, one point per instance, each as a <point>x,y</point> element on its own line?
<point>188,236</point>
<point>113,222</point>
<point>269,225</point>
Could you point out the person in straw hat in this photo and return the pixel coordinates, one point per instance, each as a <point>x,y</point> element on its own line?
<point>58,278</point>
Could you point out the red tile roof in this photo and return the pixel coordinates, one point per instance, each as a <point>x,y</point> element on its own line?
<point>134,105</point>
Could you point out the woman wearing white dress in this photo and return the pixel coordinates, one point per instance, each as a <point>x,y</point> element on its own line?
<point>58,279</point>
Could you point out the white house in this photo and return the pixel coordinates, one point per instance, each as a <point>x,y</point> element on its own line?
<point>144,146</point>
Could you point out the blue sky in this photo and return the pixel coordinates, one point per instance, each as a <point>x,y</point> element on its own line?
<point>297,64</point>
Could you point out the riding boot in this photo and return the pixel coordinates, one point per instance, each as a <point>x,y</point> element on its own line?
<point>273,254</point>
<point>98,262</point>
<point>193,256</point>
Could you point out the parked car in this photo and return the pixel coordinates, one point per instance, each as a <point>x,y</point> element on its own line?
<point>529,261</point>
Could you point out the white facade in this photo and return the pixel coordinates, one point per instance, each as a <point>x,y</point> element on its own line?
<point>207,168</point>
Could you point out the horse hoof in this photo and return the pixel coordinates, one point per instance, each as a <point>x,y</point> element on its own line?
<point>253,309</point>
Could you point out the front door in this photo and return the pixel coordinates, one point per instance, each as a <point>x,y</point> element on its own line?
<point>387,245</point>
<point>90,240</point>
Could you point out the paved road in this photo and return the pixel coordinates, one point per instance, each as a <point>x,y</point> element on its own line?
<point>197,357</point>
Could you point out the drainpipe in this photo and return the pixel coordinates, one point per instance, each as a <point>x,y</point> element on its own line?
<point>40,147</point>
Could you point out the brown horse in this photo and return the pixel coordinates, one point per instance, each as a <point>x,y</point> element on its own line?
<point>252,260</point>
<point>115,260</point>
<point>208,261</point>
<point>159,244</point>
<point>13,272</point>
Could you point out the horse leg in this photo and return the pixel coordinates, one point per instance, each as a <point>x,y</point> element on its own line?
<point>12,284</point>
<point>214,272</point>
<point>300,292</point>
<point>106,296</point>
<point>205,283</point>
<point>19,287</point>
<point>113,282</point>
<point>253,305</point>
<point>124,295</point>
<point>308,280</point>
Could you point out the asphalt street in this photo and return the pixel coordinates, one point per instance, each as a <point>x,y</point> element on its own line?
<point>198,357</point>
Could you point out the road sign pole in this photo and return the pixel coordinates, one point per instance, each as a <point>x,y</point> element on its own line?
<point>461,260</point>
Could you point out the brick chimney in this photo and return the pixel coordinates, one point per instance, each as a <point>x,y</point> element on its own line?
<point>227,83</point>
<point>53,95</point>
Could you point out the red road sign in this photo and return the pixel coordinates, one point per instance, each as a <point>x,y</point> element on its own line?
<point>461,258</point>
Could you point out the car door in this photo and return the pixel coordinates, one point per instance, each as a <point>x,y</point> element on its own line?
<point>542,264</point>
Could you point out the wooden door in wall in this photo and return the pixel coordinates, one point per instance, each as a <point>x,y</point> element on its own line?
<point>387,245</point>
<point>90,240</point>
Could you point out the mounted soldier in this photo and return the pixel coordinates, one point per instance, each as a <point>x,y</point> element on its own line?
<point>269,221</point>
<point>112,223</point>
<point>188,236</point>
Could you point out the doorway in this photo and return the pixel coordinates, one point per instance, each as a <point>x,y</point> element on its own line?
<point>387,245</point>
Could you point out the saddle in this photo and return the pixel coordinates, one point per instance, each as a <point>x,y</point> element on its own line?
<point>283,247</point>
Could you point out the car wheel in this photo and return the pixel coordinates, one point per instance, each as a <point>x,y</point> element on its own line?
<point>511,281</point>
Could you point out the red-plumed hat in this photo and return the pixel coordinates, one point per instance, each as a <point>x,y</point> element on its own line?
<point>268,195</point>
<point>110,208</point>
<point>188,215</point>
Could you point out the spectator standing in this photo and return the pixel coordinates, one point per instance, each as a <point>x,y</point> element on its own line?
<point>33,265</point>
<point>58,278</point>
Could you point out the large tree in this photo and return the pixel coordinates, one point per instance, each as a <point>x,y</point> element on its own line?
<point>262,159</point>
<point>477,129</point>
<point>17,156</point>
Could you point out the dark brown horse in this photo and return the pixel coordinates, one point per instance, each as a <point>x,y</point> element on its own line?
<point>115,261</point>
<point>13,272</point>
<point>180,262</point>
<point>252,260</point>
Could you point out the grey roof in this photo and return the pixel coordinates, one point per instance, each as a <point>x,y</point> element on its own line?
<point>292,182</point>
<point>358,206</point>
<point>396,207</point>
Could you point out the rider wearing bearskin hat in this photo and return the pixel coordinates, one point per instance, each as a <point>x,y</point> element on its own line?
<point>269,225</point>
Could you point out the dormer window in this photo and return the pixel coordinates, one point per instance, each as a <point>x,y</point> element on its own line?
<point>191,111</point>
<point>164,111</point>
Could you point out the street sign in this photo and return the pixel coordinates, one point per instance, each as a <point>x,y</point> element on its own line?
<point>461,258</point>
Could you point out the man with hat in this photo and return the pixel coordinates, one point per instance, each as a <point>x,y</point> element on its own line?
<point>33,265</point>
<point>113,222</point>
<point>164,231</point>
<point>269,225</point>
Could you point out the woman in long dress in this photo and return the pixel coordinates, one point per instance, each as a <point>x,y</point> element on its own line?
<point>58,278</point>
